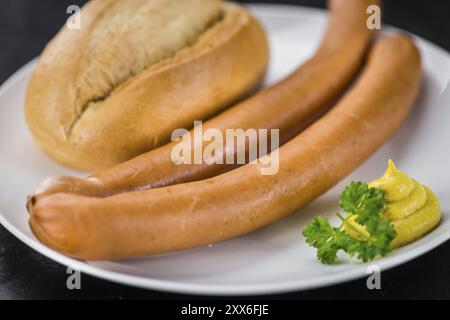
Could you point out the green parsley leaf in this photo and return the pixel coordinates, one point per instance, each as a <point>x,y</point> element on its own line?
<point>320,234</point>
<point>366,204</point>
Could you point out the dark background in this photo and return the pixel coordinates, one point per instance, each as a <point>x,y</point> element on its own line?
<point>27,25</point>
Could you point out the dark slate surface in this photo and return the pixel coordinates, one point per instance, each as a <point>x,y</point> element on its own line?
<point>25,27</point>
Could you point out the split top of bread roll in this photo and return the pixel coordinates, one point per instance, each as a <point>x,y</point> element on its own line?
<point>135,71</point>
<point>133,35</point>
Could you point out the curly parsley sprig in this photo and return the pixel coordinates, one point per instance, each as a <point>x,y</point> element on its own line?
<point>364,206</point>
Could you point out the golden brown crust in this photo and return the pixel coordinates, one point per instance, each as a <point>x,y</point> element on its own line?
<point>189,215</point>
<point>225,63</point>
<point>290,106</point>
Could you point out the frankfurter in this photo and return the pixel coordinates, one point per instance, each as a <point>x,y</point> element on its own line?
<point>198,213</point>
<point>290,105</point>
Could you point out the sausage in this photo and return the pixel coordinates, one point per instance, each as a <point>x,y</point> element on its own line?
<point>198,213</point>
<point>290,106</point>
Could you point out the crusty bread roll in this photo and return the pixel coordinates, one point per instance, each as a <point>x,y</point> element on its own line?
<point>135,71</point>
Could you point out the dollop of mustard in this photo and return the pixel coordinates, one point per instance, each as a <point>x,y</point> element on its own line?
<point>412,208</point>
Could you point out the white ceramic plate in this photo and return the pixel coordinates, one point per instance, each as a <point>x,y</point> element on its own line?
<point>276,258</point>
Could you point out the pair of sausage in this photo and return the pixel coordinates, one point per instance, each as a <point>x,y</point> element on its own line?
<point>290,106</point>
<point>194,214</point>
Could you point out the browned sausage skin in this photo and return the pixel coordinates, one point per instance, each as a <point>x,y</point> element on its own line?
<point>290,105</point>
<point>232,204</point>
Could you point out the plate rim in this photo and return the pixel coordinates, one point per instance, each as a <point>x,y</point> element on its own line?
<point>222,290</point>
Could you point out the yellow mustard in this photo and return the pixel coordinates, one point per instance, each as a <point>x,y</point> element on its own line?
<point>412,208</point>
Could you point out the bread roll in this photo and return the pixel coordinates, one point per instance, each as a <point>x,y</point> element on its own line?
<point>135,71</point>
